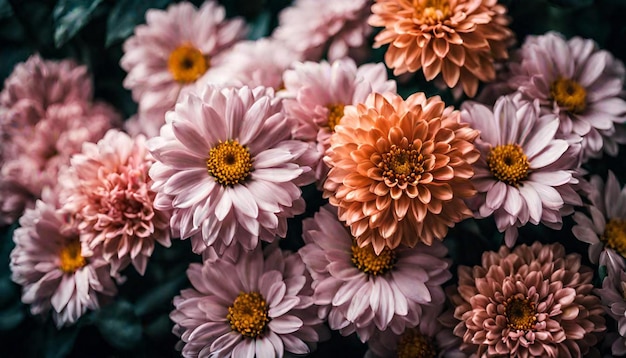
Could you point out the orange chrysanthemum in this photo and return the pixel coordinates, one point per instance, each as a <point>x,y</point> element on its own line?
<point>460,39</point>
<point>400,169</point>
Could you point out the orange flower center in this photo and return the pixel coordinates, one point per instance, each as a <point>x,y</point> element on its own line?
<point>413,344</point>
<point>520,313</point>
<point>71,258</point>
<point>248,314</point>
<point>366,260</point>
<point>187,63</point>
<point>401,166</point>
<point>569,94</point>
<point>508,163</point>
<point>615,235</point>
<point>335,113</point>
<point>431,12</point>
<point>229,163</point>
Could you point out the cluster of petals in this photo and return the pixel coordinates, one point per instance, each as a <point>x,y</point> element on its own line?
<point>286,322</point>
<point>459,39</point>
<point>612,294</point>
<point>357,295</point>
<point>316,93</point>
<point>107,189</point>
<point>246,129</point>
<point>400,170</point>
<point>48,263</point>
<point>533,301</point>
<point>336,28</point>
<point>524,174</point>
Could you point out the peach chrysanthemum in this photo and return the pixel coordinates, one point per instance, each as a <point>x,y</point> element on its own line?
<point>400,169</point>
<point>459,39</point>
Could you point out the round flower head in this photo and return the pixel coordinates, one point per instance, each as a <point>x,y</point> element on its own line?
<point>313,28</point>
<point>579,83</point>
<point>108,189</point>
<point>523,174</point>
<point>459,39</point>
<point>532,302</point>
<point>227,168</point>
<point>613,296</point>
<point>362,292</point>
<point>264,309</point>
<point>400,170</point>
<point>316,94</point>
<point>48,262</point>
<point>173,49</point>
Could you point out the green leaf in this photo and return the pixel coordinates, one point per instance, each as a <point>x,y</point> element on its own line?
<point>160,296</point>
<point>119,325</point>
<point>260,26</point>
<point>6,10</point>
<point>11,317</point>
<point>125,15</point>
<point>59,343</point>
<point>69,17</point>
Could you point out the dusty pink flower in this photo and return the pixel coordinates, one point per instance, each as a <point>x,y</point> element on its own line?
<point>524,174</point>
<point>534,301</point>
<point>316,94</point>
<point>613,296</point>
<point>228,169</point>
<point>107,188</point>
<point>578,82</point>
<point>313,28</point>
<point>48,262</point>
<point>264,309</point>
<point>173,49</point>
<point>361,292</point>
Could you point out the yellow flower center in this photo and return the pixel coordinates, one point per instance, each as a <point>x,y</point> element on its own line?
<point>520,313</point>
<point>615,235</point>
<point>413,344</point>
<point>335,113</point>
<point>508,163</point>
<point>401,166</point>
<point>431,12</point>
<point>71,258</point>
<point>229,162</point>
<point>187,63</point>
<point>248,314</point>
<point>366,260</point>
<point>569,94</point>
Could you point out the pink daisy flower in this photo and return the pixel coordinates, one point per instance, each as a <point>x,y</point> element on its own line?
<point>578,82</point>
<point>175,48</point>
<point>48,262</point>
<point>228,169</point>
<point>523,174</point>
<point>360,291</point>
<point>613,296</point>
<point>316,94</point>
<point>313,28</point>
<point>263,310</point>
<point>108,189</point>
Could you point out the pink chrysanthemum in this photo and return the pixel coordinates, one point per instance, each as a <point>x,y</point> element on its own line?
<point>524,174</point>
<point>175,48</point>
<point>535,301</point>
<point>579,83</point>
<point>228,169</point>
<point>400,169</point>
<point>360,291</point>
<point>107,188</point>
<point>47,261</point>
<point>313,28</point>
<point>613,296</point>
<point>264,309</point>
<point>459,39</point>
<point>316,94</point>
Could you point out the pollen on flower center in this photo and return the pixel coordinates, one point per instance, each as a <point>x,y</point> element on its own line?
<point>248,314</point>
<point>71,258</point>
<point>366,260</point>
<point>413,344</point>
<point>569,94</point>
<point>615,235</point>
<point>521,314</point>
<point>431,12</point>
<point>335,113</point>
<point>229,162</point>
<point>508,163</point>
<point>187,63</point>
<point>401,166</point>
